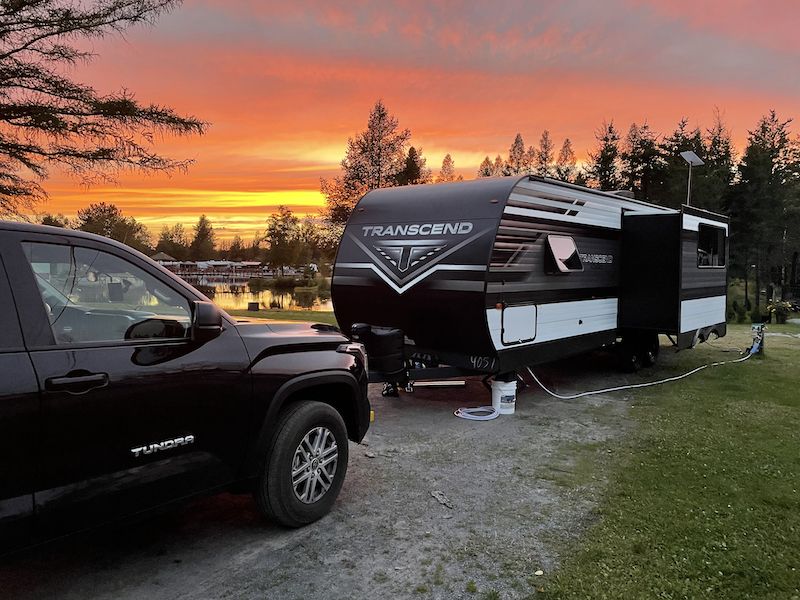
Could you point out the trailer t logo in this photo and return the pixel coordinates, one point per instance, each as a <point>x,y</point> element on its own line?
<point>402,262</point>
<point>405,255</point>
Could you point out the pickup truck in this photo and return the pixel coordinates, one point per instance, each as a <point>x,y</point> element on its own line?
<point>123,390</point>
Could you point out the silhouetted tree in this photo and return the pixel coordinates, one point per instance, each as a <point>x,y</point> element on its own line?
<point>173,241</point>
<point>602,169</point>
<point>486,169</point>
<point>763,200</point>
<point>448,171</point>
<point>641,161</point>
<point>566,164</point>
<point>415,171</point>
<point>542,163</point>
<point>518,162</point>
<point>281,234</point>
<point>204,243</point>
<point>237,251</point>
<point>107,220</point>
<point>58,220</point>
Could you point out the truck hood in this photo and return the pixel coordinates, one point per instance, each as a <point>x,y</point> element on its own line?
<point>261,335</point>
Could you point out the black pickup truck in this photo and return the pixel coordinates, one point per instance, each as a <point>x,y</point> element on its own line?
<point>124,390</point>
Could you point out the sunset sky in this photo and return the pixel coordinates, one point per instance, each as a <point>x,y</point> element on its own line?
<point>284,84</point>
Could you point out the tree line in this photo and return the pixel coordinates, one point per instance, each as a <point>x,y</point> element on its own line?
<point>759,191</point>
<point>286,240</point>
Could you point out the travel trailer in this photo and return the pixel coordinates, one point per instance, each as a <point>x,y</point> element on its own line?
<point>493,275</point>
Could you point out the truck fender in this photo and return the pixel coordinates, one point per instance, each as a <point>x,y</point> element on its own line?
<point>355,414</point>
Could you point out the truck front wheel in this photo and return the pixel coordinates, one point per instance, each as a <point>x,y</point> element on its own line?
<point>305,466</point>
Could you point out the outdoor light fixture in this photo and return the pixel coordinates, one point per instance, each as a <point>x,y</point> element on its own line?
<point>694,161</point>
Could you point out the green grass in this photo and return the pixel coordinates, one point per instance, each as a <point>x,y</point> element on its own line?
<point>704,498</point>
<point>274,314</point>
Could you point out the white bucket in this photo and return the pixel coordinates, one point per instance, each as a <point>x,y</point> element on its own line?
<point>504,396</point>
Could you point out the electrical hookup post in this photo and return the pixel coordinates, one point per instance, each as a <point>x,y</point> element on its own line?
<point>757,330</point>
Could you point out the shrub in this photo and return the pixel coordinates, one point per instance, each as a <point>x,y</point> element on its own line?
<point>257,284</point>
<point>305,296</point>
<point>741,315</point>
<point>756,316</point>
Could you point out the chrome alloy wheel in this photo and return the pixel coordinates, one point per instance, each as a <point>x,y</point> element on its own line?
<point>314,465</point>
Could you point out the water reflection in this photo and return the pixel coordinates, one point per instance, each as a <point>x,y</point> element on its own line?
<point>238,297</point>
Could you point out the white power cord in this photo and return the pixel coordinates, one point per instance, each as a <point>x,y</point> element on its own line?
<point>482,413</point>
<point>638,385</point>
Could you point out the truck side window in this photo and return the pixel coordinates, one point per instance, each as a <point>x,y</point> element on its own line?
<point>710,246</point>
<point>93,296</point>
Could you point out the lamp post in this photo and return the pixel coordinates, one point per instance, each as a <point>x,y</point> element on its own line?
<point>694,161</point>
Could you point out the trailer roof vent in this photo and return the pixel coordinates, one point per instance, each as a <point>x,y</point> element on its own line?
<point>561,255</point>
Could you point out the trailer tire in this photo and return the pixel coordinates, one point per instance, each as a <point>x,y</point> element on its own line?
<point>631,356</point>
<point>651,347</point>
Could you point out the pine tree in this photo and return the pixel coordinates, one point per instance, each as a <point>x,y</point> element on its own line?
<point>203,246</point>
<point>566,164</point>
<point>448,171</point>
<point>373,160</point>
<point>415,172</point>
<point>719,169</point>
<point>603,167</point>
<point>499,166</point>
<point>486,168</point>
<point>517,158</point>
<point>668,186</point>
<point>763,200</point>
<point>282,236</point>
<point>237,251</point>
<point>543,156</point>
<point>641,161</point>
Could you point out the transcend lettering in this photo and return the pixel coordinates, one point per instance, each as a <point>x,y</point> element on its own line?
<point>165,445</point>
<point>597,259</point>
<point>417,229</point>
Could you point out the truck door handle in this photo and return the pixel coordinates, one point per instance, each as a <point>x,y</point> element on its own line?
<point>76,384</point>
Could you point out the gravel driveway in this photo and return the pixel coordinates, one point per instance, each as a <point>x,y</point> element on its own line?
<point>433,507</point>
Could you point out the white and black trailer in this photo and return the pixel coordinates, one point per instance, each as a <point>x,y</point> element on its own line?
<point>492,275</point>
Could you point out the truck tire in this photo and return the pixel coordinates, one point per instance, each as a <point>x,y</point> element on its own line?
<point>305,465</point>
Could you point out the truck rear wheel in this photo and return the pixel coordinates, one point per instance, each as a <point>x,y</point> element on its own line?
<point>304,468</point>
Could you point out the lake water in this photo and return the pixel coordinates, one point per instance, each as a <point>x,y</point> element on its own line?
<point>237,297</point>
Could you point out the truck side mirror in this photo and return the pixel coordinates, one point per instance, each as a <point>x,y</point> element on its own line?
<point>206,322</point>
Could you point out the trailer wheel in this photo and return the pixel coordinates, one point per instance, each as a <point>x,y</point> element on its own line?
<point>631,356</point>
<point>650,347</point>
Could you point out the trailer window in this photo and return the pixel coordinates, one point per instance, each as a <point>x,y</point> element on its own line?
<point>561,255</point>
<point>710,246</point>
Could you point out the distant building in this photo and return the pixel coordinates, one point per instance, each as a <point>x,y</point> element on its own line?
<point>163,257</point>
